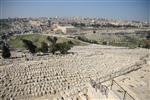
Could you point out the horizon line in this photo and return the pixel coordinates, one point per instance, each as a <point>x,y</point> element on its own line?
<point>78,1</point>
<point>79,17</point>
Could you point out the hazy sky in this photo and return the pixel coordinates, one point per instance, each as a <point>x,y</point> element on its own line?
<point>115,9</point>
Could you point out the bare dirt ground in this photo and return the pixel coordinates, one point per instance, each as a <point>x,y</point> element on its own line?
<point>65,77</point>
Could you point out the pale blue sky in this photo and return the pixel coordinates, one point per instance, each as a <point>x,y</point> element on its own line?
<point>115,9</point>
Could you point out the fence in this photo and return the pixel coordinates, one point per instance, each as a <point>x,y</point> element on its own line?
<point>123,94</point>
<point>120,72</point>
<point>120,91</point>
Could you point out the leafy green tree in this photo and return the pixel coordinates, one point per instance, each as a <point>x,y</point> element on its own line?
<point>5,51</point>
<point>70,42</point>
<point>44,47</point>
<point>63,47</point>
<point>53,40</point>
<point>94,31</point>
<point>148,37</point>
<point>146,44</point>
<point>30,46</point>
<point>104,42</point>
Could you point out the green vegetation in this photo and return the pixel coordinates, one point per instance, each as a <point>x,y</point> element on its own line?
<point>53,40</point>
<point>16,41</point>
<point>99,25</point>
<point>5,51</point>
<point>4,24</point>
<point>44,47</point>
<point>37,39</point>
<point>78,24</point>
<point>82,38</point>
<point>124,40</point>
<point>63,47</point>
<point>145,44</point>
<point>42,43</point>
<point>30,46</point>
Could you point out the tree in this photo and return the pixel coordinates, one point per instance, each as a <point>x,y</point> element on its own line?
<point>70,42</point>
<point>94,31</point>
<point>44,47</point>
<point>53,41</point>
<point>4,37</point>
<point>5,51</point>
<point>104,43</point>
<point>30,46</point>
<point>146,44</point>
<point>148,37</point>
<point>63,47</point>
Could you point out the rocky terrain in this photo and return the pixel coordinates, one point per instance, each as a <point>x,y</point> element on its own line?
<point>67,77</point>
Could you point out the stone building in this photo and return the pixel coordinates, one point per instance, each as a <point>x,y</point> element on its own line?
<point>65,29</point>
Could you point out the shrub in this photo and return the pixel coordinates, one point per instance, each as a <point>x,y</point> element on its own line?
<point>70,42</point>
<point>87,40</point>
<point>5,51</point>
<point>94,31</point>
<point>53,49</point>
<point>30,46</point>
<point>146,44</point>
<point>44,47</point>
<point>148,37</point>
<point>63,47</point>
<point>104,42</point>
<point>53,40</point>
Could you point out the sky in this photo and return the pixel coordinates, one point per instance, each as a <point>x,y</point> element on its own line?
<point>112,9</point>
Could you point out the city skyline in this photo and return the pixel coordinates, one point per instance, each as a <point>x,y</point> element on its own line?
<point>111,9</point>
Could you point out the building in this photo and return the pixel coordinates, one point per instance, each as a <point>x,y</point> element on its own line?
<point>65,29</point>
